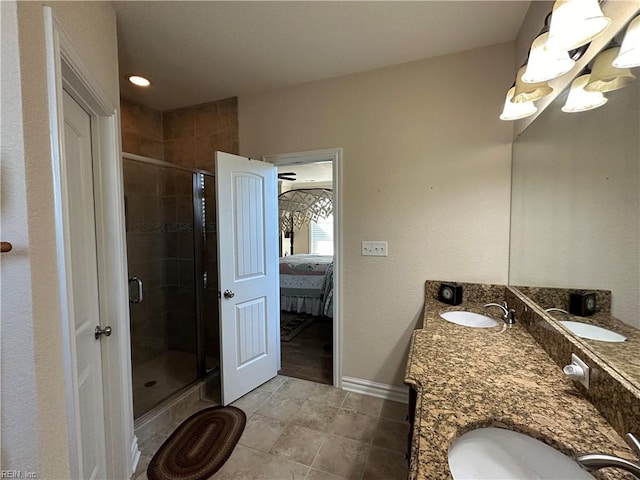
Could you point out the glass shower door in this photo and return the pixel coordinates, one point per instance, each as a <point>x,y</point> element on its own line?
<point>161,261</point>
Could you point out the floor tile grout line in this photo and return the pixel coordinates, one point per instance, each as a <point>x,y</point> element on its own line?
<point>402,452</point>
<point>366,461</point>
<point>276,441</point>
<point>379,409</point>
<point>315,457</point>
<point>276,457</point>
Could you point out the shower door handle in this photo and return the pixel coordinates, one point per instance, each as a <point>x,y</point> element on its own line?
<point>138,283</point>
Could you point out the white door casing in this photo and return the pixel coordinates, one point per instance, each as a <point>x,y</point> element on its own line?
<point>66,69</point>
<point>248,273</point>
<point>84,279</point>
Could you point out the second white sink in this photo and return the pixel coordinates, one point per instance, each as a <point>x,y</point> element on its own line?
<point>469,319</point>
<point>502,454</point>
<point>592,332</point>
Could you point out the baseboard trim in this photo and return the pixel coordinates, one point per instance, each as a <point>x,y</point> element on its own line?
<point>135,454</point>
<point>374,389</point>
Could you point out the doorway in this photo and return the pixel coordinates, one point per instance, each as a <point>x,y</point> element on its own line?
<point>309,261</point>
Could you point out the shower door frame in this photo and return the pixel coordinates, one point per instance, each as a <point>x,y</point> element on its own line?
<point>198,226</point>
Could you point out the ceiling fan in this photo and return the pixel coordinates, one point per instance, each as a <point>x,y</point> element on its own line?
<point>290,176</point>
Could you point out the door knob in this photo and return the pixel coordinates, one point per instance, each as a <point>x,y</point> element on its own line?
<point>229,294</point>
<point>106,331</point>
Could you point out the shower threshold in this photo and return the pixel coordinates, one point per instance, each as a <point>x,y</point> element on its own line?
<point>163,414</point>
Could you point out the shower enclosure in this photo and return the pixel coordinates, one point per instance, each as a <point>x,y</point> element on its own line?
<point>173,275</point>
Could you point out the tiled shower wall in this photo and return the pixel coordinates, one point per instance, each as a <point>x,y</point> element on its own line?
<point>186,136</point>
<point>193,134</point>
<point>141,130</point>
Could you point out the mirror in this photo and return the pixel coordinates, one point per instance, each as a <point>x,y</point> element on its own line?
<point>575,217</point>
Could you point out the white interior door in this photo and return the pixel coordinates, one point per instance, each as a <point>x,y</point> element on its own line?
<point>248,273</point>
<point>84,279</point>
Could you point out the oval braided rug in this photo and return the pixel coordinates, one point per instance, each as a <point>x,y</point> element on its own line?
<point>199,446</point>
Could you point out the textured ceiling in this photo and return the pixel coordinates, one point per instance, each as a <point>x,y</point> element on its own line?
<point>308,172</point>
<point>196,52</point>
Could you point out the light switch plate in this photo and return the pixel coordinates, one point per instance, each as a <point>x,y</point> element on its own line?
<point>375,249</point>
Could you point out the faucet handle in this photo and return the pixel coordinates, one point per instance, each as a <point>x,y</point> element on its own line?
<point>634,443</point>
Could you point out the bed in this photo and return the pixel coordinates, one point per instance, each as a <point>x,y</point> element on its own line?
<point>306,284</point>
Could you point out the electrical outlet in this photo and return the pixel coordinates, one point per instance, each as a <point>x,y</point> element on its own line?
<point>375,249</point>
<point>578,370</point>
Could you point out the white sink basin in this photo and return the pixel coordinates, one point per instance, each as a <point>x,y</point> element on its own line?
<point>469,319</point>
<point>495,453</point>
<point>592,332</point>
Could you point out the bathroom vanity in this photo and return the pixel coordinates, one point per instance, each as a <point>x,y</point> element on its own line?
<point>465,378</point>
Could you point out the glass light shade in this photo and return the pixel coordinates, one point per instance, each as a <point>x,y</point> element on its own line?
<point>629,55</point>
<point>604,76</point>
<point>515,111</point>
<point>574,23</point>
<point>529,92</point>
<point>580,100</point>
<point>543,64</point>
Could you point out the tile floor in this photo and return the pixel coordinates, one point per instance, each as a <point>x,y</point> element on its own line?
<point>303,430</point>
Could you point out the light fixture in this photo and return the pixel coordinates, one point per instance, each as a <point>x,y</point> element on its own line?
<point>574,23</point>
<point>515,111</point>
<point>580,100</point>
<point>543,64</point>
<point>604,76</point>
<point>529,92</point>
<point>629,55</point>
<point>139,80</point>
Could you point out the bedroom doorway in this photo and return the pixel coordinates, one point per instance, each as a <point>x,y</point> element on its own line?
<point>309,257</point>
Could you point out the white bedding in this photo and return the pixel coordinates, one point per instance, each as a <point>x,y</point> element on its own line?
<point>302,283</point>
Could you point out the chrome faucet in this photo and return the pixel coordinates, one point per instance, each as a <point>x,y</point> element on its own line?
<point>509,313</point>
<point>553,309</point>
<point>595,461</point>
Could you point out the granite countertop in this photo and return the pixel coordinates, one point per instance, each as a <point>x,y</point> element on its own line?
<point>467,378</point>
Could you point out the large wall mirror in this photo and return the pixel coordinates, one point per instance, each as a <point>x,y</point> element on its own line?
<point>575,219</point>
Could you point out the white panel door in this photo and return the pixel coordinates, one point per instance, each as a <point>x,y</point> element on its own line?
<point>248,273</point>
<point>84,278</point>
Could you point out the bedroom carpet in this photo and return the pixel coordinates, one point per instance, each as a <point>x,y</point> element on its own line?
<point>309,355</point>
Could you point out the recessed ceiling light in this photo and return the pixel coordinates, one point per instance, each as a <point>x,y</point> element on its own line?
<point>139,81</point>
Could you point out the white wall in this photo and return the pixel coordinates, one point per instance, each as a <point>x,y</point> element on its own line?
<point>34,421</point>
<point>18,393</point>
<point>426,168</point>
